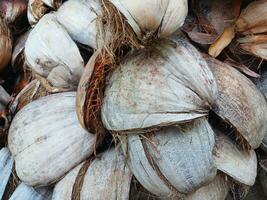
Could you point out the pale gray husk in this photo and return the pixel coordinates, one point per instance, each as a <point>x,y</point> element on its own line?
<point>170,84</point>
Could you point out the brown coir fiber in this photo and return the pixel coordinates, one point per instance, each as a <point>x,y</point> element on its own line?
<point>115,38</point>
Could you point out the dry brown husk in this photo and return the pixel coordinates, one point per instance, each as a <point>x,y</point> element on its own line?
<point>11,10</point>
<point>240,104</point>
<point>5,44</point>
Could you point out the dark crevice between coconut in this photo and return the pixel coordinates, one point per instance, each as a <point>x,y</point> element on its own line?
<point>138,192</point>
<point>228,129</point>
<point>238,191</point>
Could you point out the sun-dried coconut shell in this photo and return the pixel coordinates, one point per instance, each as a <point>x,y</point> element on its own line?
<point>239,103</point>
<point>24,192</point>
<point>216,190</point>
<point>6,165</point>
<point>174,160</point>
<point>239,164</point>
<point>169,84</point>
<point>79,18</point>
<point>50,52</point>
<point>107,177</point>
<point>5,44</point>
<point>148,18</point>
<point>47,141</point>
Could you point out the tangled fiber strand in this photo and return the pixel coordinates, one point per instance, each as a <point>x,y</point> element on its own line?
<point>115,38</point>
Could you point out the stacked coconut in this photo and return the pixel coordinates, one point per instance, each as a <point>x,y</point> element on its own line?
<point>149,116</point>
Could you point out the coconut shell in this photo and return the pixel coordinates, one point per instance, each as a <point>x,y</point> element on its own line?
<point>63,189</point>
<point>24,192</point>
<point>6,165</point>
<point>51,53</point>
<point>79,18</point>
<point>169,84</point>
<point>239,164</point>
<point>107,177</point>
<point>174,160</point>
<point>216,190</point>
<point>147,18</point>
<point>48,126</point>
<point>239,103</point>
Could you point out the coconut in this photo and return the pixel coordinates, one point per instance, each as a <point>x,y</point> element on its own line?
<point>164,162</point>
<point>105,177</point>
<point>79,18</point>
<point>48,126</point>
<point>169,84</point>
<point>50,52</point>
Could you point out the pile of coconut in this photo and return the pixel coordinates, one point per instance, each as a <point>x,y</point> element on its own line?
<point>133,99</point>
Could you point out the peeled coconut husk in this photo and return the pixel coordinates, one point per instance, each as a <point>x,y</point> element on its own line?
<point>38,8</point>
<point>240,104</point>
<point>168,84</point>
<point>51,53</point>
<point>48,126</point>
<point>5,44</point>
<point>104,177</point>
<point>79,18</point>
<point>239,164</point>
<point>26,192</point>
<point>172,162</point>
<point>6,165</point>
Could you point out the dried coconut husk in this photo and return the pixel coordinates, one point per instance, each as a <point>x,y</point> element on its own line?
<point>5,44</point>
<point>239,164</point>
<point>6,164</point>
<point>252,20</point>
<point>172,162</point>
<point>103,177</point>
<point>111,24</point>
<point>240,104</point>
<point>24,191</point>
<point>65,143</point>
<point>11,10</point>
